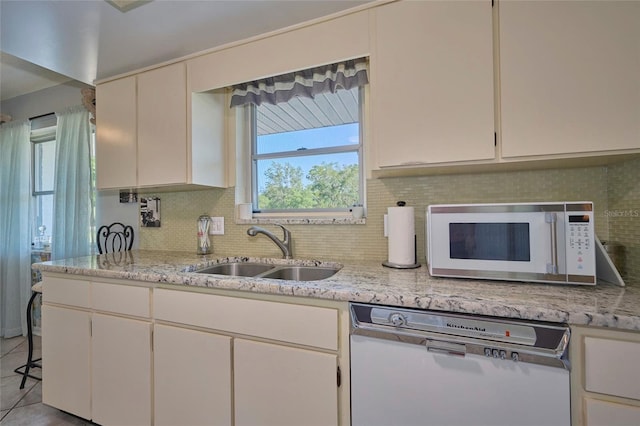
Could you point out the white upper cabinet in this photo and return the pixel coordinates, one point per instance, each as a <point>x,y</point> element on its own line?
<point>569,77</point>
<point>146,137</point>
<point>335,40</point>
<point>432,83</point>
<point>116,134</point>
<point>162,126</point>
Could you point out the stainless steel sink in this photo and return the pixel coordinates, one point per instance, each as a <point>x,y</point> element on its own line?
<point>264,270</point>
<point>239,269</point>
<point>300,273</point>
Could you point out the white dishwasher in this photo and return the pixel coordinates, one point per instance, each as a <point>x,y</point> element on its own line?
<point>414,367</point>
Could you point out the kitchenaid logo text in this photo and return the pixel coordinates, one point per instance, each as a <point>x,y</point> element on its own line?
<point>464,327</point>
<point>622,213</point>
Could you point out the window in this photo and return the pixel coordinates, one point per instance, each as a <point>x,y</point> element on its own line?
<point>43,164</point>
<point>306,143</point>
<point>307,154</point>
<point>43,151</point>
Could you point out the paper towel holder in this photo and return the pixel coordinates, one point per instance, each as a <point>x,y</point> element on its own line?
<point>414,265</point>
<point>410,266</point>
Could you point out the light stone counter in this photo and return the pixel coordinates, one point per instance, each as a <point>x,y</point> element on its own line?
<point>603,305</point>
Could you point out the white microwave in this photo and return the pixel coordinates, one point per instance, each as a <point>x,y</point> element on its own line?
<point>550,242</point>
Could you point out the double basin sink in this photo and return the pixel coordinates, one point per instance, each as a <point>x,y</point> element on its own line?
<point>263,270</point>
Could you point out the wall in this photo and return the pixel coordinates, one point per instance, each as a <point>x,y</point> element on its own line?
<point>351,242</point>
<point>109,209</point>
<point>44,101</point>
<point>624,215</point>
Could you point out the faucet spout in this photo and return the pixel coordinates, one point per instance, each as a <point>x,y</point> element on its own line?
<point>284,245</point>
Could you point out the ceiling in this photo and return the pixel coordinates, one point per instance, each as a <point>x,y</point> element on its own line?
<point>325,109</point>
<point>46,42</point>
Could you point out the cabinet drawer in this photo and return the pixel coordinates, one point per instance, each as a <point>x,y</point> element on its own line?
<point>121,299</point>
<point>65,291</point>
<point>304,325</point>
<point>609,367</point>
<point>606,413</point>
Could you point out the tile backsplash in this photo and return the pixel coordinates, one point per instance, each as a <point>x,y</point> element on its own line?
<point>615,191</point>
<point>623,214</point>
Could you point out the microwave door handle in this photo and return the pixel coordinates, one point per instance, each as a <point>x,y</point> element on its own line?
<point>552,219</point>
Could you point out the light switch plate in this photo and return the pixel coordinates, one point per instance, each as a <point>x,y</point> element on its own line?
<point>217,226</point>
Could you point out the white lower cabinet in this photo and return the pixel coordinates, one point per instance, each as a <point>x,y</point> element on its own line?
<point>132,355</point>
<point>121,371</point>
<point>66,340</point>
<point>278,385</point>
<point>192,377</point>
<point>605,413</point>
<point>243,361</point>
<point>604,380</point>
<point>96,352</point>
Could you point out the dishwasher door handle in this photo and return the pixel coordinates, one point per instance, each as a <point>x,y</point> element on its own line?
<point>447,348</point>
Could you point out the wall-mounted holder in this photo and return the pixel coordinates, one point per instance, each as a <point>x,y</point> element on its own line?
<point>128,197</point>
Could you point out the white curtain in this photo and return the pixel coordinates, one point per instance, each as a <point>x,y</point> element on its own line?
<point>15,253</point>
<point>73,194</point>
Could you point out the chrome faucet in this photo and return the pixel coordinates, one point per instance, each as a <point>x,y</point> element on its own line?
<point>284,245</point>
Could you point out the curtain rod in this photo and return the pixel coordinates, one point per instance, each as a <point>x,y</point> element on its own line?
<point>41,115</point>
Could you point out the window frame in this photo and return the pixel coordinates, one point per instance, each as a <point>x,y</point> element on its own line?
<point>34,192</point>
<point>254,158</point>
<point>37,195</point>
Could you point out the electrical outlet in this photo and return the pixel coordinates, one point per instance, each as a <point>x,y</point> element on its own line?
<point>217,226</point>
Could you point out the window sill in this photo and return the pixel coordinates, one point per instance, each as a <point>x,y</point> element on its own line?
<point>302,221</point>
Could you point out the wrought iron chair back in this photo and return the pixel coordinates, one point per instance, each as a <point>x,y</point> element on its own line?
<point>115,237</point>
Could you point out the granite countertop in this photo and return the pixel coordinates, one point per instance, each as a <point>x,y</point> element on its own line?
<point>603,305</point>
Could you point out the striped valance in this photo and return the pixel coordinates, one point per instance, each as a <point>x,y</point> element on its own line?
<point>305,83</point>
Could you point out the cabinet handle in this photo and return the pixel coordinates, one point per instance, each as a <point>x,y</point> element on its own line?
<point>552,219</point>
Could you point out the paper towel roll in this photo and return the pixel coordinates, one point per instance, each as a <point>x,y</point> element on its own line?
<point>401,230</point>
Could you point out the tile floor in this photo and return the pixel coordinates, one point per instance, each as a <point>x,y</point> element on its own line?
<point>20,407</point>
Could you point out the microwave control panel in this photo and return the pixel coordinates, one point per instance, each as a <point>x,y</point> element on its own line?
<point>580,238</point>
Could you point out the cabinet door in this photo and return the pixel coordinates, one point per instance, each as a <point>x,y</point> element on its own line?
<point>162,126</point>
<point>66,373</point>
<point>604,413</point>
<point>432,82</point>
<point>116,158</point>
<point>569,76</point>
<point>606,369</point>
<point>121,371</point>
<point>277,385</point>
<point>192,377</point>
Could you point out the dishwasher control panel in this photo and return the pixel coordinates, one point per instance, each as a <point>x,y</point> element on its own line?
<point>456,334</point>
<point>501,353</point>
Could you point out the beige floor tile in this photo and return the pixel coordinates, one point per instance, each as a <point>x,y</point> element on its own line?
<point>34,396</point>
<point>15,359</point>
<point>24,407</point>
<point>40,414</point>
<point>7,345</point>
<point>37,343</point>
<point>10,392</point>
